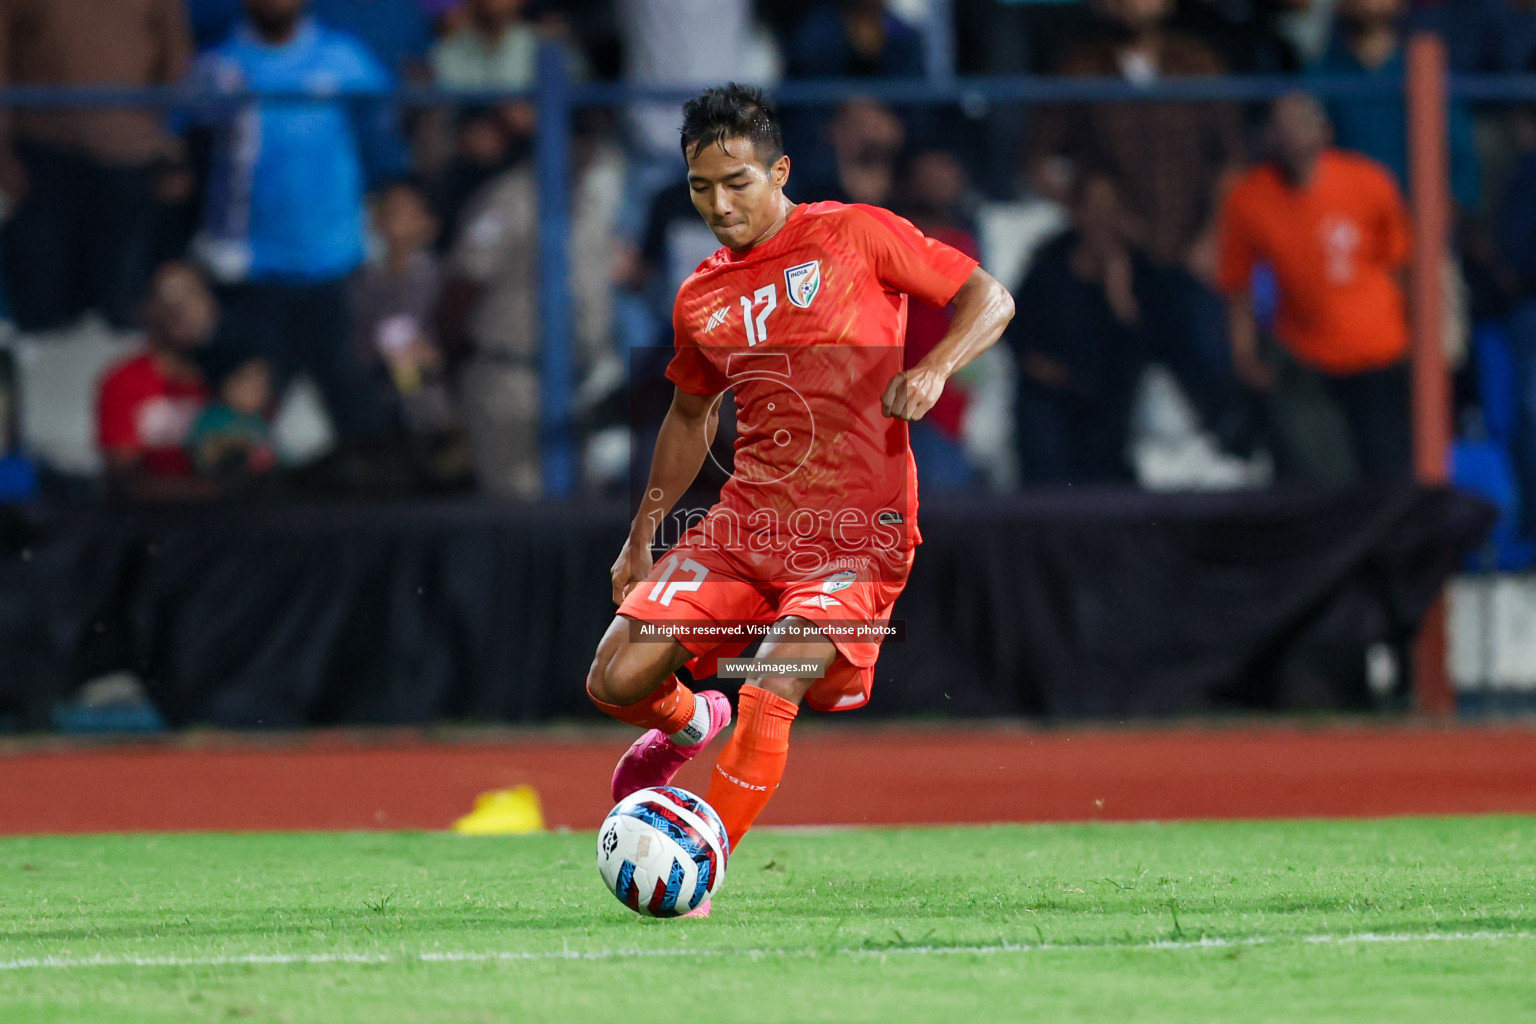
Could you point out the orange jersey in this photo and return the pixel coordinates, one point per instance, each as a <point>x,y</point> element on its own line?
<point>806,330</point>
<point>1336,245</point>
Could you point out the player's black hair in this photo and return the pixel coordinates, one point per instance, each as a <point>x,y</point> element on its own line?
<point>733,111</point>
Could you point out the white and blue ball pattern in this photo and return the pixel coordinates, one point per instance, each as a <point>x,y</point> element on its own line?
<point>662,851</point>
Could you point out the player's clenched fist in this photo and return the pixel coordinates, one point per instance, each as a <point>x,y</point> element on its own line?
<point>632,566</point>
<point>910,395</point>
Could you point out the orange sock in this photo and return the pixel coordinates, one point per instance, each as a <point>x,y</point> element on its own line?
<point>752,763</point>
<point>669,707</point>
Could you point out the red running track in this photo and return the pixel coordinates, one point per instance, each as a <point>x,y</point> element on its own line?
<point>837,775</point>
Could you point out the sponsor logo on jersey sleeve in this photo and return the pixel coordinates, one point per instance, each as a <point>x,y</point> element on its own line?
<point>717,318</point>
<point>802,283</point>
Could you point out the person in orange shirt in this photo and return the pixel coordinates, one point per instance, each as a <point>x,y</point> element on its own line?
<point>1333,229</point>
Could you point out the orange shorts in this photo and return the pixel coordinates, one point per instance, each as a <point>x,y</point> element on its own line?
<point>697,596</point>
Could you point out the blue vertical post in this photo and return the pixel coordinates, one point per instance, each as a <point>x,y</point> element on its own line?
<point>552,152</point>
<point>939,42</point>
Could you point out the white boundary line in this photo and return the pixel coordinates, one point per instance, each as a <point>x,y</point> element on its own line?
<point>71,963</point>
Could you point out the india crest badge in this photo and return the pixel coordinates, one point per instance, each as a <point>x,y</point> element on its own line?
<point>839,581</point>
<point>803,282</point>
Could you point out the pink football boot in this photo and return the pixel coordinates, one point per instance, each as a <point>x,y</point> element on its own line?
<point>654,759</point>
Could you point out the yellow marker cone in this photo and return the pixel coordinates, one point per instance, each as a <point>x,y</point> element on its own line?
<point>503,812</point>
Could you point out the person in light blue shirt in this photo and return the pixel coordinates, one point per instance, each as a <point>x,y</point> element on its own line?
<point>283,223</point>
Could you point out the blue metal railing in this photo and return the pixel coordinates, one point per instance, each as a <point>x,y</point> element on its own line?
<point>558,96</point>
<point>818,92</point>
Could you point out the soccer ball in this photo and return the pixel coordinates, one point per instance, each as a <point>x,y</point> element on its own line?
<point>662,851</point>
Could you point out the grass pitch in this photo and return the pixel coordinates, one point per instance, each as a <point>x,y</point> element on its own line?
<point>1401,920</point>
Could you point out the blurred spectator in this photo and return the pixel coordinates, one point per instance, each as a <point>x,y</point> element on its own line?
<point>1481,36</point>
<point>1308,26</point>
<point>997,37</point>
<point>1167,159</point>
<point>397,32</point>
<point>1517,239</point>
<point>446,15</point>
<point>394,313</point>
<point>854,39</point>
<point>1516,35</point>
<point>494,49</point>
<point>212,21</point>
<point>866,139</point>
<point>484,146</point>
<point>675,241</point>
<point>932,196</point>
<point>783,17</point>
<point>82,183</point>
<point>283,228</point>
<point>1368,40</point>
<point>1334,230</point>
<point>230,439</point>
<point>147,403</point>
<point>492,302</point>
<point>847,39</point>
<point>1082,344</point>
<point>590,28</point>
<point>682,43</point>
<point>1168,162</point>
<point>1246,34</point>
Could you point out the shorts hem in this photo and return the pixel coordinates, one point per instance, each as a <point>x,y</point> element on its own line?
<point>833,708</point>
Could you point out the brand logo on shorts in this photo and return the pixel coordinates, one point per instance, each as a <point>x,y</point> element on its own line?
<point>717,318</point>
<point>839,581</point>
<point>822,601</point>
<point>803,282</point>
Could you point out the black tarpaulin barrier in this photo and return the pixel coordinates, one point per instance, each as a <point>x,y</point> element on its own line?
<point>1077,603</point>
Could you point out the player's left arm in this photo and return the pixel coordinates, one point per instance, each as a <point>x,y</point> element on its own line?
<point>983,309</point>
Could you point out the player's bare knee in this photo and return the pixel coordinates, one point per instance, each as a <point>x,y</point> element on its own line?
<point>624,676</point>
<point>597,681</point>
<point>602,685</point>
<point>606,680</point>
<point>627,681</point>
<point>618,681</point>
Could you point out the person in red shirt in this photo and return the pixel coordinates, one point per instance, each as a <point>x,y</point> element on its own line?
<point>801,316</point>
<point>1334,230</point>
<point>146,404</point>
<point>934,192</point>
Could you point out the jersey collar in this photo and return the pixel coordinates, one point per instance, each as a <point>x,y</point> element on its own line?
<point>769,247</point>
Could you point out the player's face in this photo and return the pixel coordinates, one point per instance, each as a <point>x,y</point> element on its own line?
<point>739,198</point>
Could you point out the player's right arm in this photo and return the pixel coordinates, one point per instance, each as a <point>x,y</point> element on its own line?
<point>686,434</point>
